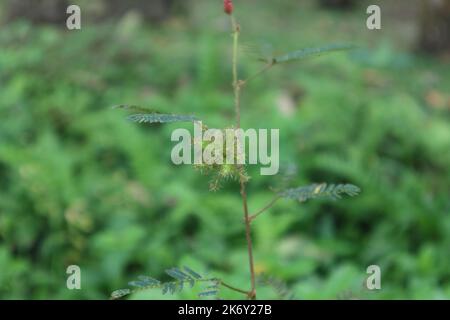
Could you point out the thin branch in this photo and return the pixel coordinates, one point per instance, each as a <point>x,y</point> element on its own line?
<point>268,206</point>
<point>233,288</point>
<point>266,67</point>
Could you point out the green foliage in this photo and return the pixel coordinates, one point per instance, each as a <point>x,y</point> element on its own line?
<point>321,190</point>
<point>79,185</point>
<point>302,194</point>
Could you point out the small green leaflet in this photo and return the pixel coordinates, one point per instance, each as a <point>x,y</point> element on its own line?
<point>149,280</point>
<point>211,290</point>
<point>120,293</point>
<point>190,277</point>
<point>192,272</point>
<point>165,288</point>
<point>170,287</point>
<point>144,282</point>
<point>208,293</point>
<point>311,52</point>
<point>177,274</point>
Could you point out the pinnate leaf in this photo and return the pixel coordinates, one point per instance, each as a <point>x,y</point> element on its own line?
<point>160,118</point>
<point>311,52</point>
<point>315,190</point>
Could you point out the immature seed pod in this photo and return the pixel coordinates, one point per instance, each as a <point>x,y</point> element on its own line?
<point>228,6</point>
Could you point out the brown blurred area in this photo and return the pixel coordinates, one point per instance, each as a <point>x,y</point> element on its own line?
<point>435,26</point>
<point>341,4</point>
<point>52,11</point>
<point>431,17</point>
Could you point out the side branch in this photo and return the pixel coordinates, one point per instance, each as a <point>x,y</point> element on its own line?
<point>268,206</point>
<point>267,67</point>
<point>233,288</point>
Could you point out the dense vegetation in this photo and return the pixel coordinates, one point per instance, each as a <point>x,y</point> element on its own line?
<point>79,185</point>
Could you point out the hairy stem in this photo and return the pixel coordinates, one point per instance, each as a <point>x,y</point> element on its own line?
<point>237,102</point>
<point>252,293</point>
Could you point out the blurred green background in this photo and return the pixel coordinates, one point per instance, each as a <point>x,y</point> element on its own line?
<point>81,185</point>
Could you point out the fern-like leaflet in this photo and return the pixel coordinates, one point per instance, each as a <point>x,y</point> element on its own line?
<point>322,190</point>
<point>160,118</point>
<point>147,115</point>
<point>182,278</point>
<point>265,52</point>
<point>310,52</point>
<point>212,290</point>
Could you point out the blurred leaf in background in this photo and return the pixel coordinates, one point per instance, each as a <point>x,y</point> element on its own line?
<point>81,185</point>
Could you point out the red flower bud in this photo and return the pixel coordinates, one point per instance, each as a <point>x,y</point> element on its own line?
<point>228,6</point>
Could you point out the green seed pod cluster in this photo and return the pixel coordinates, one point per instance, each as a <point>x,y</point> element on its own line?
<point>214,157</point>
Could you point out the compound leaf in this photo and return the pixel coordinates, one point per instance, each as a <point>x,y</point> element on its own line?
<point>311,52</point>
<point>182,277</point>
<point>160,118</point>
<point>177,274</point>
<point>315,190</point>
